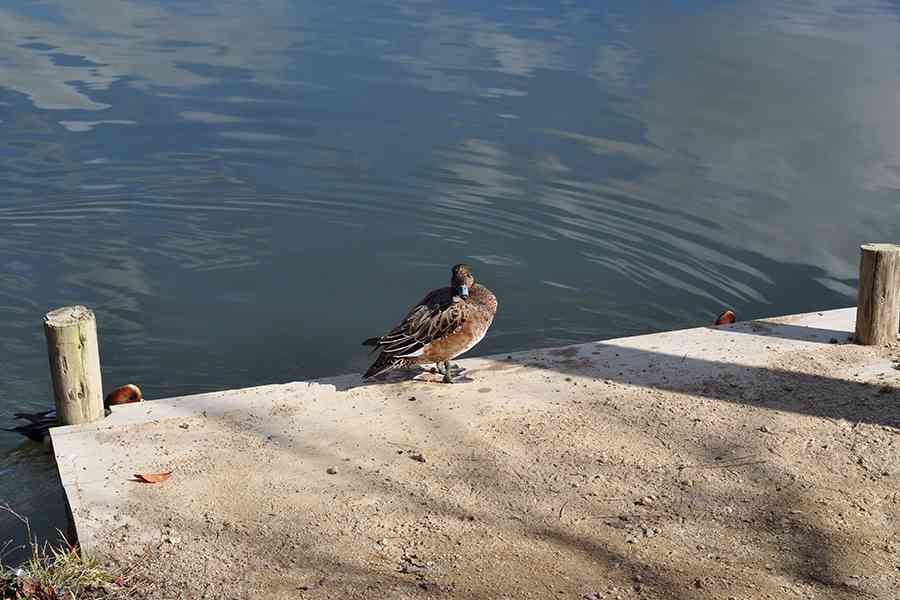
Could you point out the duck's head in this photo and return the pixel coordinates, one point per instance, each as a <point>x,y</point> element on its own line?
<point>123,395</point>
<point>462,280</point>
<point>726,318</point>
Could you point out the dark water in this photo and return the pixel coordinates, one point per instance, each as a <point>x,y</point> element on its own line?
<point>244,190</point>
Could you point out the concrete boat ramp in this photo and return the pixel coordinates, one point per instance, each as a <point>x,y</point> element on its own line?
<point>759,460</point>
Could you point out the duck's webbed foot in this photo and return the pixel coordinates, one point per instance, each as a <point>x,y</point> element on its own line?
<point>448,370</point>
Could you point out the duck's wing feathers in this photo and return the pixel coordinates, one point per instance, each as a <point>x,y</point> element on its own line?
<point>438,315</point>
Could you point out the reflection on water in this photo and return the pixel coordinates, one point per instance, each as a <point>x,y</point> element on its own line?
<point>244,190</point>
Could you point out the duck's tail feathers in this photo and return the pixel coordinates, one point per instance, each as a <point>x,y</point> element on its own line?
<point>372,341</point>
<point>383,364</point>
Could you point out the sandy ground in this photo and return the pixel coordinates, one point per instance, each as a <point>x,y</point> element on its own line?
<point>753,466</point>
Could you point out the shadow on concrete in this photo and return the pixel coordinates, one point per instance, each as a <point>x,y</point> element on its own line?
<point>766,386</point>
<point>730,517</point>
<point>551,503</point>
<point>800,333</point>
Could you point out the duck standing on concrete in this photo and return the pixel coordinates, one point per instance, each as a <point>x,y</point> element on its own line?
<point>443,325</point>
<point>39,423</point>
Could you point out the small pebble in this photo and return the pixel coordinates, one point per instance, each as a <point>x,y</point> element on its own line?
<point>417,456</point>
<point>331,471</point>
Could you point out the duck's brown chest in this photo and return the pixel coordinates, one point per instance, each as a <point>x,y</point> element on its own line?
<point>481,306</point>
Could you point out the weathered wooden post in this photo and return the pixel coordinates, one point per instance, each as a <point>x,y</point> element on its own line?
<point>878,304</point>
<point>74,364</point>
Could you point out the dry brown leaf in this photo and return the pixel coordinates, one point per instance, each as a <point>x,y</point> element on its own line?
<point>34,590</point>
<point>152,477</point>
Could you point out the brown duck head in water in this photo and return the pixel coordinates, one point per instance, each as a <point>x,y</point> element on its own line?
<point>38,424</point>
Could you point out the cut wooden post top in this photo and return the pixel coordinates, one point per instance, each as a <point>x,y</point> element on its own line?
<point>68,315</point>
<point>881,247</point>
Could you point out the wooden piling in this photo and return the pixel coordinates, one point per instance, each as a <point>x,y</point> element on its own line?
<point>878,304</point>
<point>74,355</point>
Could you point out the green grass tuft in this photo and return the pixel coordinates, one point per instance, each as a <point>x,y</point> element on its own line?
<point>57,573</point>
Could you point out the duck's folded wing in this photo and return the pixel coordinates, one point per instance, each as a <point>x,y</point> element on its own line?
<point>436,317</point>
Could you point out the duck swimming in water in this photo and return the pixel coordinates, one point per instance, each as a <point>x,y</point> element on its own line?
<point>39,423</point>
<point>445,323</point>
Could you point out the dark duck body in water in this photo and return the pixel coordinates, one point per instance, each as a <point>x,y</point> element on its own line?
<point>39,423</point>
<point>445,323</point>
